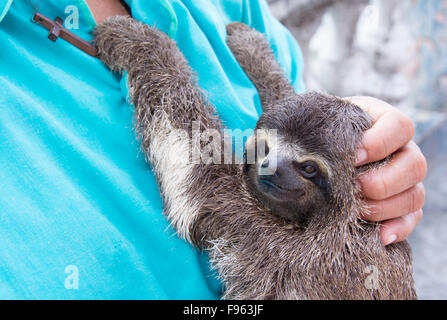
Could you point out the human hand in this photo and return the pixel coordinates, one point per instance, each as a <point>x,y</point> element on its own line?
<point>394,193</point>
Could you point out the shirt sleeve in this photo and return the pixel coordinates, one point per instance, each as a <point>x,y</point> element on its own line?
<point>4,7</point>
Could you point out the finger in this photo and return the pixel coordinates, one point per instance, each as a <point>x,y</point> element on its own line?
<point>398,229</point>
<point>373,106</point>
<point>407,168</point>
<point>399,205</point>
<point>390,131</point>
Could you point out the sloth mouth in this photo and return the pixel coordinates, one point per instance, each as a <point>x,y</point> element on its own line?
<point>273,185</point>
<point>279,192</point>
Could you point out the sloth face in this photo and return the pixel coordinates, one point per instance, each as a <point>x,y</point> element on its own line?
<point>286,178</point>
<point>302,155</point>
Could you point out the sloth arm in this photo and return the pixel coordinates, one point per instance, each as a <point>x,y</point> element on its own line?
<point>167,102</point>
<point>252,50</point>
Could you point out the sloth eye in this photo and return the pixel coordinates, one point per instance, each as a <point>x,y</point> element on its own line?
<point>308,169</point>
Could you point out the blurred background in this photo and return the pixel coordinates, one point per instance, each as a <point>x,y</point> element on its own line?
<point>395,50</point>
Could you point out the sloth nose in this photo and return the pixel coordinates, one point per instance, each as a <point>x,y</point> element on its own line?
<point>283,175</point>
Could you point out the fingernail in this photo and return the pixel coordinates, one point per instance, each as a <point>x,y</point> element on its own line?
<point>390,239</point>
<point>361,156</point>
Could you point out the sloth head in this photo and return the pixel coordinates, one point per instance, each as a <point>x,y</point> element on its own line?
<point>300,161</point>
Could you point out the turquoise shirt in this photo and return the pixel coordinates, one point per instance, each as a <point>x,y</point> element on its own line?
<point>80,213</point>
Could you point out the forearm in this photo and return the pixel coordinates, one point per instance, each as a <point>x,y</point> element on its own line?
<point>168,106</point>
<point>252,50</point>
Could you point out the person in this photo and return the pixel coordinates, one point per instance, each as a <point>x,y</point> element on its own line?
<point>81,216</point>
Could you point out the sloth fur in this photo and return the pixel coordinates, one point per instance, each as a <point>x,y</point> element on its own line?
<point>258,252</point>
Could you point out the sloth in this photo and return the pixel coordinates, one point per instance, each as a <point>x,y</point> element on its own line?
<point>294,233</point>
